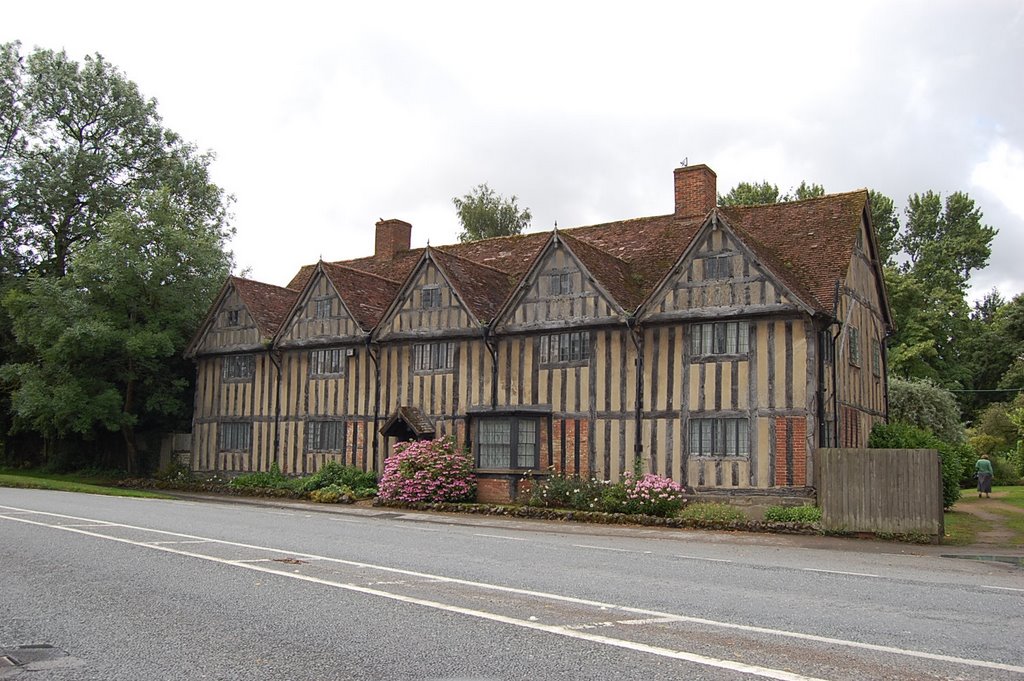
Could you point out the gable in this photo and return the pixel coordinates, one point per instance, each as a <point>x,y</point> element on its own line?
<point>426,306</point>
<point>559,290</point>
<point>719,276</point>
<point>231,327</point>
<point>319,316</point>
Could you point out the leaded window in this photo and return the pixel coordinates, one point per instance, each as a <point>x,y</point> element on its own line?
<point>560,283</point>
<point>234,436</point>
<point>853,337</point>
<point>238,368</point>
<point>328,362</point>
<point>718,267</point>
<point>720,338</point>
<point>434,356</point>
<point>324,436</point>
<point>876,358</point>
<point>719,437</point>
<point>563,348</point>
<point>233,318</point>
<point>430,297</point>
<point>323,308</point>
<point>507,442</point>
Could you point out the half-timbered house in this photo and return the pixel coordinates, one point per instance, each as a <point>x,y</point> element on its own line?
<point>719,346</point>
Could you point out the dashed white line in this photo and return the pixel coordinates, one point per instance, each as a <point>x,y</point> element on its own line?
<point>710,560</point>
<point>499,536</point>
<point>1001,588</point>
<point>609,548</point>
<point>840,572</point>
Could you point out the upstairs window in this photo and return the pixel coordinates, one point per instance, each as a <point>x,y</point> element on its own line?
<point>327,362</point>
<point>876,358</point>
<point>430,297</point>
<point>434,356</point>
<point>234,437</point>
<point>324,436</point>
<point>720,338</point>
<point>853,336</point>
<point>563,348</point>
<point>507,442</point>
<point>238,368</point>
<point>233,318</point>
<point>719,437</point>
<point>560,284</point>
<point>323,308</point>
<point>718,267</point>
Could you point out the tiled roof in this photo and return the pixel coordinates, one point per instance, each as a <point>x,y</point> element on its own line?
<point>366,295</point>
<point>483,288</point>
<point>808,243</point>
<point>268,304</point>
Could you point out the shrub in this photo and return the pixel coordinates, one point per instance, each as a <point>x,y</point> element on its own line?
<point>898,435</point>
<point>652,494</point>
<point>923,404</point>
<point>272,479</point>
<point>792,514</point>
<point>332,494</point>
<point>334,473</point>
<point>580,494</point>
<point>176,471</point>
<point>712,512</point>
<point>427,470</point>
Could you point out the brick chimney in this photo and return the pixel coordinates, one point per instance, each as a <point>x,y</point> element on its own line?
<point>392,238</point>
<point>696,191</point>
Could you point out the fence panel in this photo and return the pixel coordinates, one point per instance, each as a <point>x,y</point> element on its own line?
<point>881,490</point>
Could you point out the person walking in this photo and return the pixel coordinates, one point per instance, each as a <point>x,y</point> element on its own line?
<point>983,471</point>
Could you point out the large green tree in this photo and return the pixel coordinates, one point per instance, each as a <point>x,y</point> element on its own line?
<point>107,338</point>
<point>97,198</point>
<point>485,214</point>
<point>761,193</point>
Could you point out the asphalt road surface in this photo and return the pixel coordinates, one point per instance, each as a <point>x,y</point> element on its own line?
<point>116,588</point>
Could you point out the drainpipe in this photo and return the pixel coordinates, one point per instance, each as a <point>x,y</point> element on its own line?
<point>835,365</point>
<point>275,359</point>
<point>372,350</point>
<point>636,334</point>
<point>493,351</point>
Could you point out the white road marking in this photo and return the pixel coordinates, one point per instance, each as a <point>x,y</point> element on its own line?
<point>710,560</point>
<point>187,541</point>
<point>88,525</point>
<point>609,548</point>
<point>840,572</point>
<point>1001,588</point>
<point>500,536</point>
<point>985,664</point>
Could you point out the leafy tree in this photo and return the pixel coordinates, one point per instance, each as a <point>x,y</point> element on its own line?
<point>78,142</point>
<point>751,194</point>
<point>926,405</point>
<point>886,224</point>
<point>806,191</point>
<point>108,337</point>
<point>485,214</point>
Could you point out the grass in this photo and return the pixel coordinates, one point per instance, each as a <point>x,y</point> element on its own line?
<point>70,482</point>
<point>962,528</point>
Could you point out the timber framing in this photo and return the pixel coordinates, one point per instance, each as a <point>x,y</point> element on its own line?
<point>716,346</point>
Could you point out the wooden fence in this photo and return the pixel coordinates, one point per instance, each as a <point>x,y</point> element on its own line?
<point>895,491</point>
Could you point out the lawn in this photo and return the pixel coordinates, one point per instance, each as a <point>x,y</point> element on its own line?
<point>963,527</point>
<point>70,482</point>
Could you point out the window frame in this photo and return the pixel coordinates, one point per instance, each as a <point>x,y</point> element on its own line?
<point>717,267</point>
<point>559,284</point>
<point>430,297</point>
<point>557,349</point>
<point>711,339</point>
<point>321,357</point>
<point>853,342</point>
<point>241,433</point>
<point>429,357</point>
<point>238,368</point>
<point>719,438</point>
<point>325,429</point>
<point>233,318</point>
<point>318,308</point>
<point>515,423</point>
<point>876,358</point>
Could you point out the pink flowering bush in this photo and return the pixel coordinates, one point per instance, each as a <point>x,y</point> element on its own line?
<point>652,494</point>
<point>427,470</point>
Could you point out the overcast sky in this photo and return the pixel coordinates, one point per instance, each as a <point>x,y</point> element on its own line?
<point>326,117</point>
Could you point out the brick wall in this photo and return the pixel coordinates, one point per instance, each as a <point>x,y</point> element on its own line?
<point>790,452</point>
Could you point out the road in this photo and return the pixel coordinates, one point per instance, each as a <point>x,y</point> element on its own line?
<point>117,588</point>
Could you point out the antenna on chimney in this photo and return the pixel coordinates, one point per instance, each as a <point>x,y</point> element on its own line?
<point>556,225</point>
<point>686,162</point>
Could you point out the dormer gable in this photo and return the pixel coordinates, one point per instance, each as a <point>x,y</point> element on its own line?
<point>570,282</point>
<point>722,273</point>
<point>245,316</point>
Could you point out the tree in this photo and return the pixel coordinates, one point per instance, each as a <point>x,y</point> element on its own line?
<point>762,193</point>
<point>108,337</point>
<point>886,224</point>
<point>926,405</point>
<point>78,142</point>
<point>485,214</point>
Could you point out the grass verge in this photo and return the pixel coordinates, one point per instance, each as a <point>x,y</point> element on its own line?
<point>70,483</point>
<point>962,528</point>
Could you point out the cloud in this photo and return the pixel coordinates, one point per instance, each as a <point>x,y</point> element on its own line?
<point>1002,175</point>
